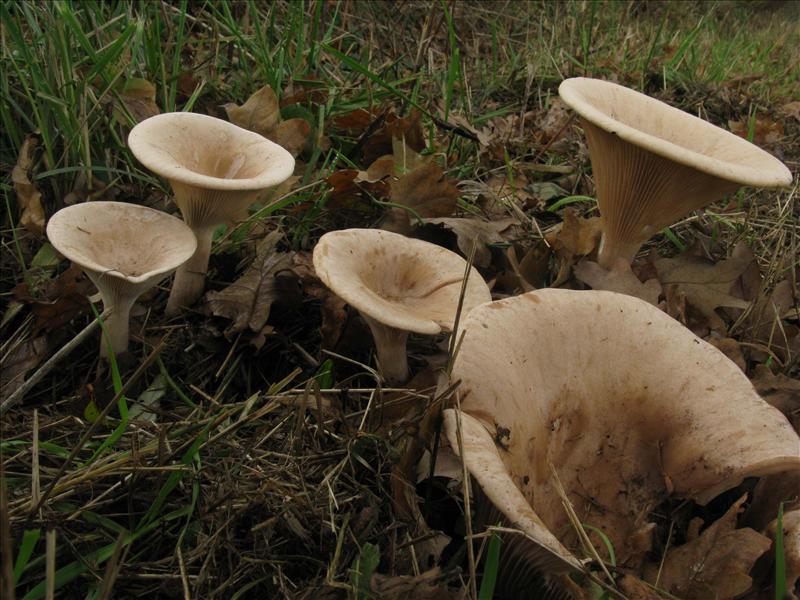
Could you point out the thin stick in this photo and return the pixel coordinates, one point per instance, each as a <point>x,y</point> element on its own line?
<point>50,564</point>
<point>19,394</point>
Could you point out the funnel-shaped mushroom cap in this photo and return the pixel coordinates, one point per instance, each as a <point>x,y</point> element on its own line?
<point>125,249</point>
<point>404,283</point>
<point>124,241</point>
<point>209,152</point>
<point>654,163</point>
<point>623,401</point>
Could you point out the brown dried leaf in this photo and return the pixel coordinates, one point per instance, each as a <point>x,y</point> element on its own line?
<point>381,168</point>
<point>780,391</point>
<point>356,121</point>
<point>349,188</point>
<point>636,589</point>
<point>730,348</point>
<point>619,279</point>
<point>293,134</point>
<point>430,585</point>
<point>247,301</point>
<point>533,269</point>
<point>407,129</point>
<point>705,284</point>
<point>791,109</point>
<point>29,199</point>
<point>260,113</point>
<point>716,564</point>
<point>24,357</point>
<point>765,131</point>
<point>471,230</point>
<point>334,314</point>
<point>59,301</point>
<point>426,192</point>
<point>139,97</point>
<point>575,237</point>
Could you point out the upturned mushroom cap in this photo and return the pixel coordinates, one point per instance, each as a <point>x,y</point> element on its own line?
<point>398,285</point>
<point>624,402</point>
<point>216,171</point>
<point>654,163</point>
<point>401,282</point>
<point>125,249</point>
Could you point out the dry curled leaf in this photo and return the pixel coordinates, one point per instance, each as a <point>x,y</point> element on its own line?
<point>334,314</point>
<point>59,301</point>
<point>705,284</point>
<point>780,391</point>
<point>138,96</point>
<point>247,301</point>
<point>292,134</point>
<point>407,130</point>
<point>473,230</point>
<point>765,132</point>
<point>426,192</point>
<point>29,199</point>
<point>715,564</point>
<point>430,585</point>
<point>261,113</point>
<point>575,237</point>
<point>21,359</point>
<point>619,279</point>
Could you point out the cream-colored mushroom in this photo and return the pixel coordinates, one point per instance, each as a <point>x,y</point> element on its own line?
<point>216,171</point>
<point>625,403</point>
<point>399,285</point>
<point>125,249</point>
<point>653,163</point>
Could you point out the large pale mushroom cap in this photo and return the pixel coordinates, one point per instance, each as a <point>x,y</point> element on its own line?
<point>653,164</point>
<point>124,241</point>
<point>404,283</point>
<point>626,403</point>
<point>209,153</point>
<point>672,133</point>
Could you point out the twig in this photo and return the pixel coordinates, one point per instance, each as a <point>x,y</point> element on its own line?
<point>19,394</point>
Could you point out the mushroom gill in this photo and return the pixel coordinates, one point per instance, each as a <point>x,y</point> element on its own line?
<point>623,402</point>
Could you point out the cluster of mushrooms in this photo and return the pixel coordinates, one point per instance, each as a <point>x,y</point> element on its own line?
<point>590,398</point>
<point>216,171</point>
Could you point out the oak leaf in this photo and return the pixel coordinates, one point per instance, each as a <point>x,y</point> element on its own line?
<point>573,238</point>
<point>425,193</point>
<point>705,284</point>
<point>261,114</point>
<point>248,300</point>
<point>619,279</point>
<point>716,563</point>
<point>473,230</point>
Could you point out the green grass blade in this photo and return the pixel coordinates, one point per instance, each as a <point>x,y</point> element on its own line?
<point>489,579</point>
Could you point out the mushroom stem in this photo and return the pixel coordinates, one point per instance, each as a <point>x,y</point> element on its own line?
<point>612,249</point>
<point>116,327</point>
<point>190,276</point>
<point>390,345</point>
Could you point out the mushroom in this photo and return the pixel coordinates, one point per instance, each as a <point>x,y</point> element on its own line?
<point>216,171</point>
<point>623,403</point>
<point>654,163</point>
<point>125,249</point>
<point>398,285</point>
